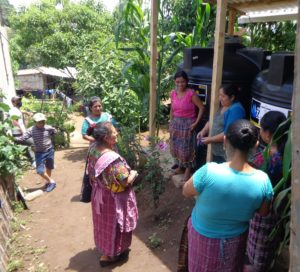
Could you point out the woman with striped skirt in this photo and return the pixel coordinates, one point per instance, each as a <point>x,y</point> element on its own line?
<point>228,195</point>
<point>186,112</point>
<point>114,206</point>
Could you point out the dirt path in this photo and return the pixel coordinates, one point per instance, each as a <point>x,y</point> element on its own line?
<point>57,235</point>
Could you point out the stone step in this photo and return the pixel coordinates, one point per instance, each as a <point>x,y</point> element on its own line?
<point>177,180</point>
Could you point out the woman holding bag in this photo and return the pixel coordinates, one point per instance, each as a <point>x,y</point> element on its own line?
<point>114,206</point>
<point>96,116</point>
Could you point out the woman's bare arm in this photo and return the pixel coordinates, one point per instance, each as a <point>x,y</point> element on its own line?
<point>188,189</point>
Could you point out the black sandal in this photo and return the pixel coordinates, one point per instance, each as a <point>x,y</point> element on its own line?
<point>123,256</point>
<point>174,166</point>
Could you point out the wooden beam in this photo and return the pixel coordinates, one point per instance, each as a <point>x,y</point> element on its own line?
<point>217,64</point>
<point>153,75</point>
<point>295,205</point>
<point>232,19</point>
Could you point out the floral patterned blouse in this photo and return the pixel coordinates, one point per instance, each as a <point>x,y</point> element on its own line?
<point>114,174</point>
<point>273,166</point>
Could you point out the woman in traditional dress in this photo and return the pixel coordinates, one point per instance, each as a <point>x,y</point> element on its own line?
<point>228,195</point>
<point>186,112</point>
<point>260,247</point>
<point>114,205</point>
<point>273,166</point>
<point>230,111</point>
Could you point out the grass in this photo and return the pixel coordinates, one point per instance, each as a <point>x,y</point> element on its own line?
<point>14,265</point>
<point>154,240</point>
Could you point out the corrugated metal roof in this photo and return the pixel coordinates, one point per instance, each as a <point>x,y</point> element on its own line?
<point>246,6</point>
<point>263,10</point>
<point>50,71</point>
<point>269,16</point>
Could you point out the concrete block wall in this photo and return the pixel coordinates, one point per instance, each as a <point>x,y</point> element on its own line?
<point>31,82</point>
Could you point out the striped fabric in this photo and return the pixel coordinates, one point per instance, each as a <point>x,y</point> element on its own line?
<point>259,246</point>
<point>111,237</point>
<point>183,141</point>
<point>182,264</point>
<point>41,137</point>
<point>215,255</point>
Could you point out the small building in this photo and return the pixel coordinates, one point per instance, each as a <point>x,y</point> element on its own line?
<point>43,78</point>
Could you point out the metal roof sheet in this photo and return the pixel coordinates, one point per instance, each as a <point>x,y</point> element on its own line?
<point>246,6</point>
<point>269,16</point>
<point>69,72</point>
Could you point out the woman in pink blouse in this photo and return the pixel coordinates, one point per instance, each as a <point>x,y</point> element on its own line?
<point>186,112</point>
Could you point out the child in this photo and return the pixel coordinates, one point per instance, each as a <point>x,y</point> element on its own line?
<point>44,150</point>
<point>268,125</point>
<point>261,249</point>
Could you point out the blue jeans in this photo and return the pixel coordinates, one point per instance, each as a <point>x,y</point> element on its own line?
<point>44,159</point>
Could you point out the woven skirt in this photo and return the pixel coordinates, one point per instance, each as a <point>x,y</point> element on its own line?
<point>215,255</point>
<point>183,141</point>
<point>260,247</point>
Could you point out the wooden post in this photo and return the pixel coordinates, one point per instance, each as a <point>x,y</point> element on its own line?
<point>217,64</point>
<point>153,75</point>
<point>232,19</point>
<point>295,205</point>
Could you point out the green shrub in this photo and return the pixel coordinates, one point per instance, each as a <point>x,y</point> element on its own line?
<point>58,116</point>
<point>124,105</point>
<point>11,155</point>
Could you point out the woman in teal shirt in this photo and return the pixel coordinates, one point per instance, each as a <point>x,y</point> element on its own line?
<point>96,116</point>
<point>228,195</point>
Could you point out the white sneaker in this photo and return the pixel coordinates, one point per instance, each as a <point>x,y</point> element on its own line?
<point>33,165</point>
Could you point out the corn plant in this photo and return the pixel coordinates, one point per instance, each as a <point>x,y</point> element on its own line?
<point>133,36</point>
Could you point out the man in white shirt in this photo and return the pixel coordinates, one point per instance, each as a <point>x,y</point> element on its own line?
<point>19,126</point>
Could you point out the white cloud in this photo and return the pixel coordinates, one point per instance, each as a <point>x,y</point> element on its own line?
<point>110,4</point>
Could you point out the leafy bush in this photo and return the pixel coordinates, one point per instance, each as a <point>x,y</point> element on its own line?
<point>11,155</point>
<point>58,116</point>
<point>124,105</point>
<point>99,70</point>
<point>129,146</point>
<point>153,169</point>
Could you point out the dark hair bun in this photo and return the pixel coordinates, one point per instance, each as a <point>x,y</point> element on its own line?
<point>242,135</point>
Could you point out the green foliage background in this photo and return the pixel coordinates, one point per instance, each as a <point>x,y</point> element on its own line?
<point>11,155</point>
<point>44,35</point>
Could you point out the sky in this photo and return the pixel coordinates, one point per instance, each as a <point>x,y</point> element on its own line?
<point>110,4</point>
